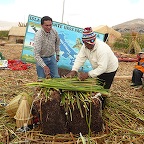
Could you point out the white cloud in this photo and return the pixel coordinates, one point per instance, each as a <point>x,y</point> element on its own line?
<point>78,13</point>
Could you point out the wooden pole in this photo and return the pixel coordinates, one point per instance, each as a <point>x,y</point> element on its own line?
<point>63,10</point>
<point>123,77</point>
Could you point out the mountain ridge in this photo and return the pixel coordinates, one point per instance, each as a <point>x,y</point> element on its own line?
<point>135,25</point>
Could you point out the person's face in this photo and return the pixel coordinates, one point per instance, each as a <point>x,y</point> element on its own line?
<point>89,46</point>
<point>142,55</point>
<point>47,26</point>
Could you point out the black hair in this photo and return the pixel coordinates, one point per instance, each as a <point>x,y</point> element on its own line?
<point>45,18</point>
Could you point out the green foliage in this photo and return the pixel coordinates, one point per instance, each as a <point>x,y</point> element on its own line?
<point>4,34</point>
<point>124,42</point>
<point>141,41</point>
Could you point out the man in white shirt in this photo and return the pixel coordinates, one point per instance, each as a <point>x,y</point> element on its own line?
<point>101,57</point>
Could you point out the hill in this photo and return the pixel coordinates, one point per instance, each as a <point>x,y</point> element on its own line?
<point>136,25</point>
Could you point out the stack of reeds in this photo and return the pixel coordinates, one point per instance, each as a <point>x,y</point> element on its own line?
<point>13,105</point>
<point>23,115</point>
<point>73,91</point>
<point>71,84</point>
<point>75,96</point>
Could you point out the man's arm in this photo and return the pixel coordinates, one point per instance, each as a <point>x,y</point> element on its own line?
<point>37,49</point>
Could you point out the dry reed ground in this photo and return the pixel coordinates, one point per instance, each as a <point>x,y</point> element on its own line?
<point>11,82</point>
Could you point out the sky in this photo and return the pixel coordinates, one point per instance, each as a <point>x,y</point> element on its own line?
<point>79,13</point>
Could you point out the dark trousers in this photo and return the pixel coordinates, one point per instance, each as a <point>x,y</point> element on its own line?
<point>137,77</point>
<point>106,79</point>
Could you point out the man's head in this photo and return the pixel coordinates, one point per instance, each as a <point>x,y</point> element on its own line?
<point>46,23</point>
<point>89,37</point>
<point>141,53</point>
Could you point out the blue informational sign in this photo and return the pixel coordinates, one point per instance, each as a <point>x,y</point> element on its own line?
<point>70,42</point>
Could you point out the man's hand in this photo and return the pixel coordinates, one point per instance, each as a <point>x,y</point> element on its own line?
<point>57,58</point>
<point>71,74</point>
<point>46,71</point>
<point>82,76</point>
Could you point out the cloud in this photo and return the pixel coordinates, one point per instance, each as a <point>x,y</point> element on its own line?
<point>52,8</point>
<point>80,13</point>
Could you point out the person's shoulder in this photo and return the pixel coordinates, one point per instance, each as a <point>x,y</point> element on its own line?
<point>39,32</point>
<point>54,30</point>
<point>99,40</point>
<point>142,59</point>
<point>100,43</point>
<point>104,44</point>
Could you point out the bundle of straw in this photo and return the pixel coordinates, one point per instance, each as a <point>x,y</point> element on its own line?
<point>12,107</point>
<point>23,115</point>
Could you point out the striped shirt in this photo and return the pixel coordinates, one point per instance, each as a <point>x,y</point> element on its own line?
<point>45,45</point>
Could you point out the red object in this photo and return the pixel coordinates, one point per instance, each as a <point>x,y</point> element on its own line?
<point>138,57</point>
<point>127,59</point>
<point>17,65</point>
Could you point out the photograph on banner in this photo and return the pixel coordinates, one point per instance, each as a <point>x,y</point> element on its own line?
<point>70,42</point>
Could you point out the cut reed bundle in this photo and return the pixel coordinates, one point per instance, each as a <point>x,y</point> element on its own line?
<point>71,84</point>
<point>23,115</point>
<point>12,107</point>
